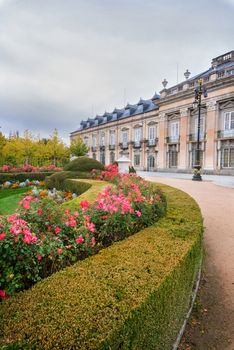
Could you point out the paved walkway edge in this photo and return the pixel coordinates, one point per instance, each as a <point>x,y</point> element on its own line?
<point>193,298</point>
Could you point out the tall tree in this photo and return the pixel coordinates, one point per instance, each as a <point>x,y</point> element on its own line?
<point>56,149</point>
<point>78,147</point>
<point>2,144</point>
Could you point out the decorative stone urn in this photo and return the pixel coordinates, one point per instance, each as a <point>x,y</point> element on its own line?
<point>123,163</point>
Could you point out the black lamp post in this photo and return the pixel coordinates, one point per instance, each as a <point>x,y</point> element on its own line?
<point>199,92</point>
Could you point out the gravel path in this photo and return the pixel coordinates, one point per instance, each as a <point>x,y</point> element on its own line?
<point>214,328</point>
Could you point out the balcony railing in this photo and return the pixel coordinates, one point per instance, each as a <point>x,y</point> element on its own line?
<point>102,148</point>
<point>94,149</point>
<point>152,142</point>
<point>172,139</point>
<point>111,147</point>
<point>193,137</point>
<point>123,145</point>
<point>137,144</point>
<point>225,134</point>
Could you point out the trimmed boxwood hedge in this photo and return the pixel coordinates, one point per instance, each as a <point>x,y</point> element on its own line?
<point>132,295</point>
<point>94,187</point>
<point>57,179</point>
<point>23,176</point>
<point>84,164</point>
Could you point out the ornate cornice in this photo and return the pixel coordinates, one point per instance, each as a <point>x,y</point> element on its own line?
<point>211,105</point>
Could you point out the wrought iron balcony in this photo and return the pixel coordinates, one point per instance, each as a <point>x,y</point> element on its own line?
<point>193,137</point>
<point>102,148</point>
<point>111,147</point>
<point>94,149</point>
<point>152,142</point>
<point>124,145</point>
<point>172,139</point>
<point>137,144</point>
<point>225,134</point>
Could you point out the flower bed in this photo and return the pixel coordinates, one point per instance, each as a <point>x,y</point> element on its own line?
<point>42,237</point>
<point>23,184</point>
<point>28,169</point>
<point>132,295</point>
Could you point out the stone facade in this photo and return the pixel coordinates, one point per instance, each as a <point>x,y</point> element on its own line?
<point>160,134</point>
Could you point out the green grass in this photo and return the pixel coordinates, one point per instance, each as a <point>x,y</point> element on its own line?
<point>90,195</point>
<point>9,200</point>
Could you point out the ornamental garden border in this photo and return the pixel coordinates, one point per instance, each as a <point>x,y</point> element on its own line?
<point>132,295</point>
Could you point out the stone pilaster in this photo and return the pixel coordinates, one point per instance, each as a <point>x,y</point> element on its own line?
<point>210,153</point>
<point>161,141</point>
<point>184,115</point>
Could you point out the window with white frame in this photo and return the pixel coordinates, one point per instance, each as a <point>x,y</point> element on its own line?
<point>112,138</point>
<point>174,130</point>
<point>137,135</point>
<point>229,120</point>
<point>202,126</point>
<point>137,159</point>
<point>94,141</point>
<point>102,140</point>
<point>125,137</point>
<point>152,132</point>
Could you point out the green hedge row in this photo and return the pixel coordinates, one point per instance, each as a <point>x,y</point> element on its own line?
<point>57,180</point>
<point>132,295</point>
<point>23,176</point>
<point>84,164</point>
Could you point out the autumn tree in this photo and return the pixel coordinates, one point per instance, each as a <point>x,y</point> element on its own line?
<point>2,144</point>
<point>56,149</point>
<point>78,147</point>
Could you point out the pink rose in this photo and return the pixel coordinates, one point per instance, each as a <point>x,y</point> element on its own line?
<point>80,239</point>
<point>57,229</point>
<point>2,236</point>
<point>2,294</point>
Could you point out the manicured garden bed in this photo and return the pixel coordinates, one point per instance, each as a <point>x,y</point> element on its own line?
<point>42,237</point>
<point>132,295</point>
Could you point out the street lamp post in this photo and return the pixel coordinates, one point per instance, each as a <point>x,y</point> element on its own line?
<point>199,92</point>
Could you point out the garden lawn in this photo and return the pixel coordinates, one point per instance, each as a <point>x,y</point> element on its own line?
<point>89,195</point>
<point>9,200</point>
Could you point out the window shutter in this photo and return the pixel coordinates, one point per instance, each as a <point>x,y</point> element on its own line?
<point>232,120</point>
<point>226,121</point>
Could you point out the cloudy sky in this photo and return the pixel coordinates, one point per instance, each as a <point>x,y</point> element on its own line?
<point>62,61</point>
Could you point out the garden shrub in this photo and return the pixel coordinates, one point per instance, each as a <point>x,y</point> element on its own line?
<point>77,187</point>
<point>84,164</point>
<point>132,295</point>
<point>57,180</point>
<point>23,176</point>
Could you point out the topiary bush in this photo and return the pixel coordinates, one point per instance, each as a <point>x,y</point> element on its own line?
<point>57,180</point>
<point>77,187</point>
<point>84,164</point>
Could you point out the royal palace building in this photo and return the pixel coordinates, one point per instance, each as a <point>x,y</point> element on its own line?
<point>160,134</point>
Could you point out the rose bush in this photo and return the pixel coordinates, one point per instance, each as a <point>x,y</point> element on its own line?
<point>28,169</point>
<point>41,238</point>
